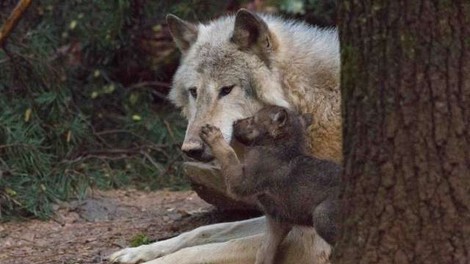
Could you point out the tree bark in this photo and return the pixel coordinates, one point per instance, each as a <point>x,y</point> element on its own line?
<point>406,97</point>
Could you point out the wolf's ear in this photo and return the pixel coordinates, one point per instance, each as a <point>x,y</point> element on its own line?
<point>184,33</point>
<point>306,119</point>
<point>280,117</point>
<point>251,32</point>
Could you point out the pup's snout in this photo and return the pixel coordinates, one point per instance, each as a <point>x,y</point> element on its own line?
<point>237,123</point>
<point>242,122</point>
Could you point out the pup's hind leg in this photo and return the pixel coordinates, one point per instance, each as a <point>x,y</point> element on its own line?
<point>325,217</point>
<point>275,233</point>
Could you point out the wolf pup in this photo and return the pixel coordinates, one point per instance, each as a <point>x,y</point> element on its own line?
<point>291,187</point>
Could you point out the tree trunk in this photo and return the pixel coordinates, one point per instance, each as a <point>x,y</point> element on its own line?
<point>406,98</point>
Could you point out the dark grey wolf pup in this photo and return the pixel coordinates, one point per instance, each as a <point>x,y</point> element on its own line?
<point>291,187</point>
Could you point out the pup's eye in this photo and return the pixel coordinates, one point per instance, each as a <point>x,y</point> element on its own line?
<point>225,90</point>
<point>193,92</point>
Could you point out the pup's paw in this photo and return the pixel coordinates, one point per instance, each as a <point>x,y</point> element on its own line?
<point>210,134</point>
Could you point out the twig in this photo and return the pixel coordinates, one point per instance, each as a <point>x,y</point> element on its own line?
<point>152,83</point>
<point>13,19</point>
<point>149,158</point>
<point>149,143</point>
<point>169,164</point>
<point>21,145</point>
<point>87,157</point>
<point>153,91</point>
<point>115,154</point>
<point>170,131</point>
<point>128,151</point>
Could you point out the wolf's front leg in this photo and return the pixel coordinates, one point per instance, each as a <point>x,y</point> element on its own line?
<point>237,183</point>
<point>203,235</point>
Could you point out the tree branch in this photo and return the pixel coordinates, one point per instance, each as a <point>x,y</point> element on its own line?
<point>150,83</point>
<point>13,19</point>
<point>154,84</point>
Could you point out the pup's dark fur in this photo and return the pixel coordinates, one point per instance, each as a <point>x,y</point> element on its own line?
<point>291,187</point>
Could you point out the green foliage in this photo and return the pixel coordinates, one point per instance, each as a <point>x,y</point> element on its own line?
<point>76,110</point>
<point>139,240</point>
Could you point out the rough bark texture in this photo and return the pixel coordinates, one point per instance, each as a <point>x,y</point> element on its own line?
<point>406,99</point>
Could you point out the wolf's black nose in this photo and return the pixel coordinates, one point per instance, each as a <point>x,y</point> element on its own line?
<point>194,153</point>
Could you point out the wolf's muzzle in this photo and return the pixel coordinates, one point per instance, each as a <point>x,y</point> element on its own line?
<point>198,152</point>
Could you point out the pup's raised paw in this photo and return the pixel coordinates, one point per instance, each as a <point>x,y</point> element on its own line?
<point>210,134</point>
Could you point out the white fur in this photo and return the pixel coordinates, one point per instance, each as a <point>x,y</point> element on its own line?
<point>235,242</point>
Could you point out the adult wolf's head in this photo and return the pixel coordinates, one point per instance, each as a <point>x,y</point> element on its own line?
<point>225,65</point>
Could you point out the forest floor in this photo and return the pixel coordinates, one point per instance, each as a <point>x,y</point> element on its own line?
<point>87,231</point>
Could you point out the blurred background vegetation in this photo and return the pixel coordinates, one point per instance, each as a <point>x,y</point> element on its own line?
<point>83,88</point>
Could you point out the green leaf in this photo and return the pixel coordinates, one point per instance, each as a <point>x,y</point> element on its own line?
<point>46,98</point>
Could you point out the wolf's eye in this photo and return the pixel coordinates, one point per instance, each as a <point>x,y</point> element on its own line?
<point>193,92</point>
<point>225,90</point>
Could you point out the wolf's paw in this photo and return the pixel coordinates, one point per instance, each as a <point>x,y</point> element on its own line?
<point>136,255</point>
<point>211,134</point>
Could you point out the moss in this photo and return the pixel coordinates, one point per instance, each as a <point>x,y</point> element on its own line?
<point>140,239</point>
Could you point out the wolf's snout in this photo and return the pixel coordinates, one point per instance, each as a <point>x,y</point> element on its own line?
<point>194,153</point>
<point>193,149</point>
<point>196,150</point>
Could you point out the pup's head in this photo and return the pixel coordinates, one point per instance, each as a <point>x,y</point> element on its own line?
<point>272,125</point>
<point>224,74</point>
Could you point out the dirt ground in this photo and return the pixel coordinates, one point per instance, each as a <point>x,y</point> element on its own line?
<point>88,231</point>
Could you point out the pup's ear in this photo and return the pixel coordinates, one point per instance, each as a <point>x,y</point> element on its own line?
<point>280,117</point>
<point>184,33</point>
<point>306,119</point>
<point>251,32</point>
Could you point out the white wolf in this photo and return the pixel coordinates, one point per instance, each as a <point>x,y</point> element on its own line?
<point>230,68</point>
